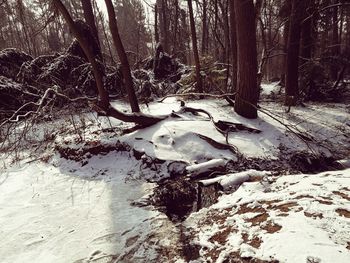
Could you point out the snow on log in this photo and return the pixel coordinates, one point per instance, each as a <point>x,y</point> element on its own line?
<point>229,180</point>
<point>345,163</point>
<point>198,169</point>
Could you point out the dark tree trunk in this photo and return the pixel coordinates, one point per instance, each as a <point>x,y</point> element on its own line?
<point>163,23</point>
<point>247,89</point>
<point>307,32</point>
<point>125,67</point>
<point>226,29</point>
<point>156,34</point>
<point>335,40</point>
<point>204,29</point>
<point>287,7</point>
<point>89,17</point>
<point>292,83</point>
<point>199,85</point>
<point>233,46</point>
<point>176,26</point>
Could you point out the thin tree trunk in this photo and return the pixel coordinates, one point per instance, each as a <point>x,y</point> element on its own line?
<point>14,25</point>
<point>105,35</point>
<point>204,29</point>
<point>285,42</point>
<point>156,34</point>
<point>125,67</point>
<point>233,46</point>
<point>335,40</point>
<point>24,26</point>
<point>199,85</point>
<point>226,29</point>
<point>176,26</point>
<point>307,34</point>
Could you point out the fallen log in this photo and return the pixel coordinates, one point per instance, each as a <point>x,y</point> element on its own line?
<point>206,167</point>
<point>233,180</point>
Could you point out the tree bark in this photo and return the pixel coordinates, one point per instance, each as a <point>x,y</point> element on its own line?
<point>204,29</point>
<point>156,34</point>
<point>335,40</point>
<point>125,67</point>
<point>199,85</point>
<point>307,33</point>
<point>287,7</point>
<point>292,73</point>
<point>233,46</point>
<point>176,26</point>
<point>247,88</point>
<point>89,17</point>
<point>163,24</point>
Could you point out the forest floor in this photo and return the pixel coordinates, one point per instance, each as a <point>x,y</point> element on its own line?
<point>97,192</point>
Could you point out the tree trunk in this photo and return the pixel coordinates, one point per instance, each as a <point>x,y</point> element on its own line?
<point>96,69</point>
<point>292,73</point>
<point>103,106</point>
<point>156,34</point>
<point>163,24</point>
<point>335,40</point>
<point>247,89</point>
<point>199,85</point>
<point>307,33</point>
<point>287,7</point>
<point>233,46</point>
<point>125,67</point>
<point>226,29</point>
<point>90,20</point>
<point>24,26</point>
<point>176,26</point>
<point>204,29</point>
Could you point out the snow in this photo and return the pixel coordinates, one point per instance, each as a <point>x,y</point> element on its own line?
<point>58,210</point>
<point>305,208</point>
<point>270,88</point>
<point>66,212</point>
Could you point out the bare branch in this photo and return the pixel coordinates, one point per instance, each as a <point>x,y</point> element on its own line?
<point>198,94</point>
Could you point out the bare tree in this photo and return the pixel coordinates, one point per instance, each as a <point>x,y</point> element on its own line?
<point>125,67</point>
<point>199,81</point>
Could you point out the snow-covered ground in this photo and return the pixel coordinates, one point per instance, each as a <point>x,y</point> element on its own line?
<point>62,212</point>
<point>58,210</point>
<point>293,218</point>
<point>270,88</point>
